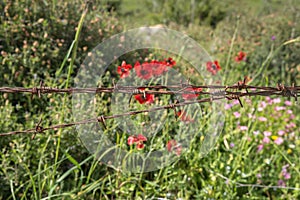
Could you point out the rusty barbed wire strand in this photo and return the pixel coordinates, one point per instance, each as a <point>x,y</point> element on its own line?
<point>279,90</point>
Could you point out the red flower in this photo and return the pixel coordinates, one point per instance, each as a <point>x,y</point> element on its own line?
<point>147,99</point>
<point>184,117</point>
<point>241,56</point>
<point>138,140</point>
<point>191,95</point>
<point>124,69</point>
<point>143,71</point>
<point>170,62</point>
<point>140,145</point>
<point>172,145</point>
<point>141,137</point>
<point>158,68</point>
<point>213,67</point>
<point>131,140</point>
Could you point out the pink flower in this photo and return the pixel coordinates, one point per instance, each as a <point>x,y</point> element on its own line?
<point>277,100</point>
<point>279,108</point>
<point>237,114</point>
<point>281,132</point>
<point>288,103</point>
<point>260,147</point>
<point>292,116</point>
<point>262,119</point>
<point>278,141</point>
<point>258,175</point>
<point>267,133</point>
<point>285,173</point>
<point>289,112</point>
<point>235,102</point>
<point>281,183</point>
<point>243,128</point>
<point>228,106</point>
<point>291,125</point>
<point>287,176</point>
<point>256,132</point>
<point>262,106</point>
<point>266,140</point>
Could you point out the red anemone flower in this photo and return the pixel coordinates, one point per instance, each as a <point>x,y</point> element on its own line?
<point>124,69</point>
<point>191,95</point>
<point>131,140</point>
<point>172,145</point>
<point>240,57</point>
<point>170,62</point>
<point>138,140</point>
<point>213,67</point>
<point>144,70</point>
<point>140,145</point>
<point>144,98</point>
<point>158,68</point>
<point>141,137</point>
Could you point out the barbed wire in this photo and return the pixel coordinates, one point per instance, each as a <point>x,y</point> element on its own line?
<point>223,92</point>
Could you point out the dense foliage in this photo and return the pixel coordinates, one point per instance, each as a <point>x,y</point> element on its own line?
<point>259,144</point>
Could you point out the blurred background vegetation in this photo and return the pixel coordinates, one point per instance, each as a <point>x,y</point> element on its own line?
<point>35,37</point>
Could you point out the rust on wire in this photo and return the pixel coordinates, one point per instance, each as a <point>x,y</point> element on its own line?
<point>223,92</point>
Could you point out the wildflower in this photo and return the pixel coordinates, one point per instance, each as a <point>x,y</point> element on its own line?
<point>158,68</point>
<point>240,57</point>
<point>281,183</point>
<point>231,145</point>
<point>140,145</point>
<point>277,140</point>
<point>131,140</point>
<point>267,133</point>
<point>262,119</point>
<point>288,103</point>
<point>256,132</point>
<point>237,114</point>
<point>281,132</point>
<point>277,100</point>
<point>266,140</point>
<point>170,62</point>
<point>144,98</point>
<point>290,125</point>
<point>258,175</point>
<point>285,173</point>
<point>183,116</point>
<point>243,128</point>
<point>260,147</point>
<point>191,95</point>
<point>124,69</point>
<point>251,116</point>
<point>144,71</point>
<point>262,106</point>
<point>213,67</point>
<point>227,106</point>
<point>138,140</point>
<point>279,108</point>
<point>172,145</point>
<point>273,37</point>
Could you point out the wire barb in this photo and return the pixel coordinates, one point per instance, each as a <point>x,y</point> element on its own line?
<point>38,129</point>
